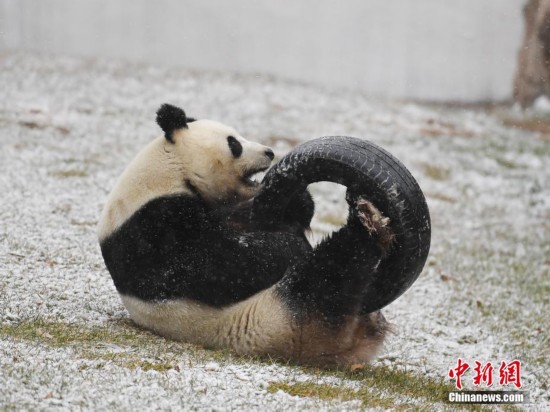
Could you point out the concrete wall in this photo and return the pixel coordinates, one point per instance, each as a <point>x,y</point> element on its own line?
<point>423,49</point>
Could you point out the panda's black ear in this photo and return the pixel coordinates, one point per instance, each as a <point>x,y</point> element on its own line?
<point>171,118</point>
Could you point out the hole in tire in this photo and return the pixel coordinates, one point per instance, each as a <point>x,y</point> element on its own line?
<point>331,209</point>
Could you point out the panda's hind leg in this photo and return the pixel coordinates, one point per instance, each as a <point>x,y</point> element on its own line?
<point>331,279</point>
<point>325,290</point>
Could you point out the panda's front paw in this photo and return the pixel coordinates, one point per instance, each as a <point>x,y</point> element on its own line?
<point>300,210</point>
<point>375,223</point>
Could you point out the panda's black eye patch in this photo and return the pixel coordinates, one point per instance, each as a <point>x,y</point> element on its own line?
<point>235,146</point>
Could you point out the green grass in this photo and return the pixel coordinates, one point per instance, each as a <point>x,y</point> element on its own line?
<point>124,345</point>
<point>60,334</point>
<point>436,172</point>
<point>96,343</point>
<point>513,306</point>
<point>120,342</point>
<point>327,392</point>
<point>63,174</point>
<point>379,387</point>
<point>508,164</point>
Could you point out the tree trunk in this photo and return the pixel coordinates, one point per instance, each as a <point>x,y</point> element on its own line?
<point>533,74</point>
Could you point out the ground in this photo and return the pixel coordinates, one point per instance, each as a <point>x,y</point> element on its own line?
<point>69,126</point>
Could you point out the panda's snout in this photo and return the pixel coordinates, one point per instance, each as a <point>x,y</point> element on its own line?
<point>269,153</point>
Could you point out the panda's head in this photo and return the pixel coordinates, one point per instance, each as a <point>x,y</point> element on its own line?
<point>200,158</point>
<point>217,163</point>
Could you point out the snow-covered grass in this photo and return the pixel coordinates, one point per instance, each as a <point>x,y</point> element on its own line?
<point>69,126</point>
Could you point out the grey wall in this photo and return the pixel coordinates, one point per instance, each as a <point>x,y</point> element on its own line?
<point>424,49</point>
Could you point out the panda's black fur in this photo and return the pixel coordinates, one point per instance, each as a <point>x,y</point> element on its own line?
<point>171,118</point>
<point>194,265</point>
<point>175,247</point>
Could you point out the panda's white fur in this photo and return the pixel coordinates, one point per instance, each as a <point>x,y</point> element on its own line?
<point>262,325</point>
<point>193,164</point>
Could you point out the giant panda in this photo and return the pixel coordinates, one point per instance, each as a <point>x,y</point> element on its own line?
<point>191,264</point>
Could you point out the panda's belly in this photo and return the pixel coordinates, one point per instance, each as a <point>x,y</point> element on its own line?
<point>259,325</point>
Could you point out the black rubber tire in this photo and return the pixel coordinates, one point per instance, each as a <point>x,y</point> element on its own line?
<point>368,171</point>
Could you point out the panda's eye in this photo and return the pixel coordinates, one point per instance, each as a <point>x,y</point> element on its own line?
<point>235,146</point>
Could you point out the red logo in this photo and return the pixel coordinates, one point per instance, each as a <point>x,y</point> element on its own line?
<point>457,372</point>
<point>509,373</point>
<point>483,374</point>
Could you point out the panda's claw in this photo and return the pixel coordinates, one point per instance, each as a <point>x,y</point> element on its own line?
<point>376,223</point>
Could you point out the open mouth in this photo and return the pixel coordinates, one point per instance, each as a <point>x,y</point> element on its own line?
<point>253,177</point>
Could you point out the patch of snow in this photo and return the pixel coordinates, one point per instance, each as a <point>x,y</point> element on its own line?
<point>69,126</point>
<point>541,104</point>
